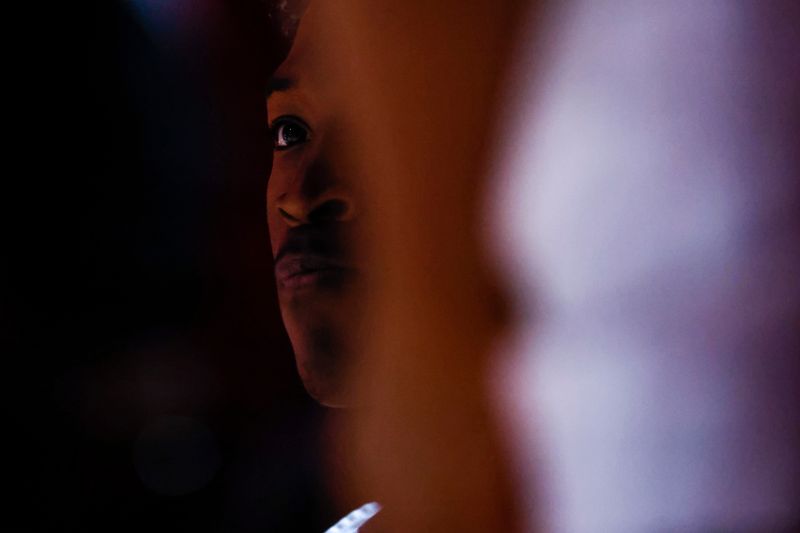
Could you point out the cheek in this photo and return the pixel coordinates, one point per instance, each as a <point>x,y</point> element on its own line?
<point>274,222</point>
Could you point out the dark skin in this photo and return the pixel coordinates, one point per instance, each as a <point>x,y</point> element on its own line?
<point>313,215</point>
<point>424,195</point>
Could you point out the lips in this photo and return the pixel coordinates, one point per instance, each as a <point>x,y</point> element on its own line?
<point>300,270</point>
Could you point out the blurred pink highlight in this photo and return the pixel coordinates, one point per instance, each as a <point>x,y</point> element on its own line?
<point>651,217</point>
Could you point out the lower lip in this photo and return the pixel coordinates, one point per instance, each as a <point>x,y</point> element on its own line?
<point>310,278</point>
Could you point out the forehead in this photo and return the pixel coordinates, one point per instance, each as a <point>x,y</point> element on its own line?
<point>305,66</point>
<point>309,69</point>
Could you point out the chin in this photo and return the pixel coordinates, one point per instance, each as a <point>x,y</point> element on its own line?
<point>326,390</point>
<point>317,333</point>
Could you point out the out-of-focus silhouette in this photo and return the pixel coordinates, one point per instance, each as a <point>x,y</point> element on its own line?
<point>635,172</point>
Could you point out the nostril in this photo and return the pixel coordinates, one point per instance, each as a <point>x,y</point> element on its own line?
<point>330,210</point>
<point>289,218</point>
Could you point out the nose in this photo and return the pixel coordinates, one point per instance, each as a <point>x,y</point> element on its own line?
<point>330,208</point>
<point>315,197</point>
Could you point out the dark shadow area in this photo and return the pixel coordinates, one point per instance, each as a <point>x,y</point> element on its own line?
<point>149,384</point>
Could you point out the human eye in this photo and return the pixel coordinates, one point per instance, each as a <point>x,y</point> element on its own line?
<point>289,131</point>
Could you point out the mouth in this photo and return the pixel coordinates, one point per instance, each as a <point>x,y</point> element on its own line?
<point>295,271</point>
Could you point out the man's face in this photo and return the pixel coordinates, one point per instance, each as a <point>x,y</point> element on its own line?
<point>312,213</point>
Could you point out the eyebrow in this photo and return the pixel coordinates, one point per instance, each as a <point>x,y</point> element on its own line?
<point>278,84</point>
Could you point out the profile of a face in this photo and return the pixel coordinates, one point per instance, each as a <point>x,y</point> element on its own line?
<point>313,214</point>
